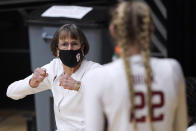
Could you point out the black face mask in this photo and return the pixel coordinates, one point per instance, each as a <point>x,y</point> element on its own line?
<point>71,58</point>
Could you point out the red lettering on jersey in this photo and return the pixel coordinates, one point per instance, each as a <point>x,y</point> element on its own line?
<point>140,79</point>
<point>154,106</point>
<point>157,105</point>
<point>139,106</point>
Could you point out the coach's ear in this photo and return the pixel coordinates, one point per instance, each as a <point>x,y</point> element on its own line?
<point>57,52</point>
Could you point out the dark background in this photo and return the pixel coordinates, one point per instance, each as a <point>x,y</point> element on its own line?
<point>182,34</point>
<point>14,44</point>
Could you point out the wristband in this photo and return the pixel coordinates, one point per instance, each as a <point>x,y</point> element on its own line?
<point>77,86</point>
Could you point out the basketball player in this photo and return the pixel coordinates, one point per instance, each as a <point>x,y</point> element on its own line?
<point>136,92</point>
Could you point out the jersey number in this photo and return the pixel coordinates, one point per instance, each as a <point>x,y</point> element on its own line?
<point>154,106</point>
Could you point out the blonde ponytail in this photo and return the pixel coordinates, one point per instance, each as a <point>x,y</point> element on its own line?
<point>132,21</point>
<point>144,41</point>
<point>128,72</point>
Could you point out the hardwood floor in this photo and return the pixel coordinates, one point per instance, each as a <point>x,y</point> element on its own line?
<point>13,120</point>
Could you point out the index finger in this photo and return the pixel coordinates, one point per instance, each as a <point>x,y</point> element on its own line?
<point>43,72</point>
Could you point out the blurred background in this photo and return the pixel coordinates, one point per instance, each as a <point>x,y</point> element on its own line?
<point>24,45</point>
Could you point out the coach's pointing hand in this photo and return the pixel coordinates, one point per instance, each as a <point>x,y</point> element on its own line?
<point>38,76</point>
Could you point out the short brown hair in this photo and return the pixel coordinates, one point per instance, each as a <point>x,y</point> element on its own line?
<point>75,33</point>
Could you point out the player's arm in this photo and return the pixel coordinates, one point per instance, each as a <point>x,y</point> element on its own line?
<point>94,116</point>
<point>180,121</point>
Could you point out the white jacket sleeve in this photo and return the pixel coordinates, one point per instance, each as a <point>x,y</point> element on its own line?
<point>180,121</point>
<point>92,103</point>
<point>20,89</point>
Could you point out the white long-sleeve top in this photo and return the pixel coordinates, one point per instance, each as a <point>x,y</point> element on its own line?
<point>68,104</point>
<point>107,93</point>
<point>192,128</point>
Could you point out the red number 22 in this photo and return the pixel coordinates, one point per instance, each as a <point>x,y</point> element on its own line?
<point>154,106</point>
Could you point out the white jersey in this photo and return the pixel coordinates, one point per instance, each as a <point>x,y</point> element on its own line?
<point>68,104</point>
<point>192,128</point>
<point>107,94</point>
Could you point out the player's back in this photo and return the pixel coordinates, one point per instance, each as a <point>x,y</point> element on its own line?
<point>168,96</point>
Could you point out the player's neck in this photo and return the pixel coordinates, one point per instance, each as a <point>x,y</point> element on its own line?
<point>133,49</point>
